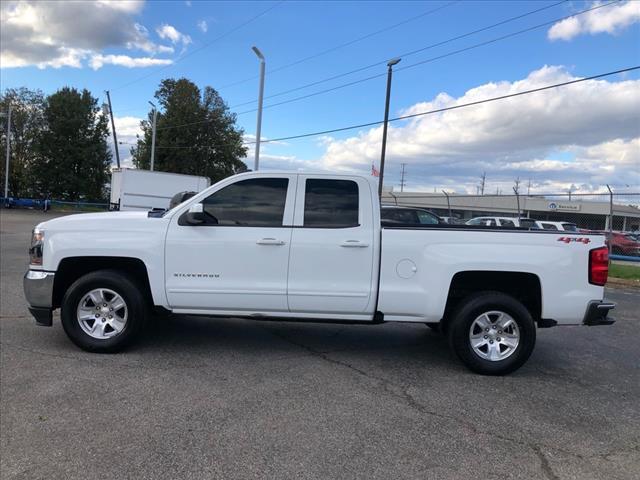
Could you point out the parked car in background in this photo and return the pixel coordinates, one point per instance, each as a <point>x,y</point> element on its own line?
<point>503,222</point>
<point>394,215</point>
<point>453,220</point>
<point>562,226</point>
<point>623,244</point>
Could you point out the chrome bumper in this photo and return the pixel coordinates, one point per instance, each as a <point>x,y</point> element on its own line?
<point>38,290</point>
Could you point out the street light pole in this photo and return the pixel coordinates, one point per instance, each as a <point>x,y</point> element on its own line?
<point>260,95</point>
<point>390,65</point>
<point>6,165</point>
<point>153,136</point>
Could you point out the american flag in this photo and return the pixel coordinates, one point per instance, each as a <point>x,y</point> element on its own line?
<point>374,171</point>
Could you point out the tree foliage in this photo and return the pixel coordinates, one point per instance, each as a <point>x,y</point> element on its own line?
<point>196,133</point>
<point>72,160</point>
<point>27,121</point>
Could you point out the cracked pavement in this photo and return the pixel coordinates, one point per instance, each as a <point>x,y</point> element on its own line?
<point>237,399</point>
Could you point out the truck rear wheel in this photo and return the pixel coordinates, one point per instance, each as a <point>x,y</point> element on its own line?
<point>492,333</point>
<point>103,311</point>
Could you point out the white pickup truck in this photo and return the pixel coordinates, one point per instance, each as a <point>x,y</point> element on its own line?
<point>311,247</point>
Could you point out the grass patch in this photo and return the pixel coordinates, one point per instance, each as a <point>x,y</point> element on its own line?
<point>629,272</point>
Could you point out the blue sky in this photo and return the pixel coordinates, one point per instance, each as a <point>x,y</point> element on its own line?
<point>602,40</point>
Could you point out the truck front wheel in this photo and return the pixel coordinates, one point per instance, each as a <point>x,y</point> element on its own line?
<point>492,333</point>
<point>103,311</point>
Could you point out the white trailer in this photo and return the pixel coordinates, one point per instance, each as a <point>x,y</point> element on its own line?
<point>133,189</point>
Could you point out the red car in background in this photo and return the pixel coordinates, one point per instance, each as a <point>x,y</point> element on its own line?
<point>623,244</point>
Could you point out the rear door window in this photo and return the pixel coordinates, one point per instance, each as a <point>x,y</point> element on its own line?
<point>331,203</point>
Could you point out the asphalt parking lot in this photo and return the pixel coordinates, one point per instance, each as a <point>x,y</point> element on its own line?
<point>228,398</point>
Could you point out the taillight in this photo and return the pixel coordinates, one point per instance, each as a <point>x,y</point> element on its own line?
<point>598,266</point>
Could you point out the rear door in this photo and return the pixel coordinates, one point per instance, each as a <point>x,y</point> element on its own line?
<point>332,247</point>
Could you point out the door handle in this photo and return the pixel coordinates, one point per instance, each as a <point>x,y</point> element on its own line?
<point>354,244</point>
<point>269,241</point>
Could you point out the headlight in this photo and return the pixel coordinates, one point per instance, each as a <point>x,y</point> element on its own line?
<point>35,250</point>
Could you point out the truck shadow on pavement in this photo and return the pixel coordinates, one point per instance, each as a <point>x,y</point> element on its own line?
<point>269,340</point>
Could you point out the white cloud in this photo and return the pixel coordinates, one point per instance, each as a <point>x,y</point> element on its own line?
<point>202,25</point>
<point>610,19</point>
<point>65,34</point>
<point>128,128</point>
<point>99,60</point>
<point>587,125</point>
<point>169,32</point>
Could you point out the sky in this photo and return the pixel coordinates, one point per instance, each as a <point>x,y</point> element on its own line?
<point>579,137</point>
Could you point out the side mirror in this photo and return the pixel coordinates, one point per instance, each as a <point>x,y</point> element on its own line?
<point>195,215</point>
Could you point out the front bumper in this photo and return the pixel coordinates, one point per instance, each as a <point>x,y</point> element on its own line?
<point>38,290</point>
<point>597,313</point>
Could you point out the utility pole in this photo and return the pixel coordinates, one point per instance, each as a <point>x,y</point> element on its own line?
<point>113,129</point>
<point>6,165</point>
<point>528,187</point>
<point>402,182</point>
<point>610,222</point>
<point>390,65</point>
<point>483,179</point>
<point>153,136</point>
<point>260,96</point>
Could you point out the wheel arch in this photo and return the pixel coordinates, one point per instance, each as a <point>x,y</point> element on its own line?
<point>523,286</point>
<point>71,269</point>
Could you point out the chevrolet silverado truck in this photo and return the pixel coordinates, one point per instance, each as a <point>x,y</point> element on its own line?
<point>312,247</point>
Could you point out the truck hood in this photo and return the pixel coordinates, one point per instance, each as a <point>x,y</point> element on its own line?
<point>104,222</point>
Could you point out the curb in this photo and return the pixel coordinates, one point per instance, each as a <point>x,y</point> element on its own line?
<point>623,282</point>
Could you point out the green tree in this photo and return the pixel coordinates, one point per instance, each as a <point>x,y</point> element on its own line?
<point>198,121</point>
<point>73,160</point>
<point>27,121</point>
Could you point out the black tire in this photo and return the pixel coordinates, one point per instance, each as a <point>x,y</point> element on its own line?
<point>470,309</point>
<point>124,286</point>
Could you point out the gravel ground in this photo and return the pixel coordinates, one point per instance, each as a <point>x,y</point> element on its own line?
<point>236,399</point>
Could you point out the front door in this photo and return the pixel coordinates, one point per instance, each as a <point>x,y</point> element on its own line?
<point>237,260</point>
<point>332,247</point>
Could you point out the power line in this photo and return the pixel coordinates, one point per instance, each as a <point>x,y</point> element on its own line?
<point>432,59</point>
<point>431,112</point>
<point>407,54</point>
<point>343,45</point>
<point>206,45</point>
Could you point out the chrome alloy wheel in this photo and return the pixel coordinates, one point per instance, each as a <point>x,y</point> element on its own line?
<point>494,335</point>
<point>102,313</point>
